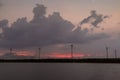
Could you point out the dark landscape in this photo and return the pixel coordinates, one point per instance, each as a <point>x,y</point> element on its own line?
<point>87,60</point>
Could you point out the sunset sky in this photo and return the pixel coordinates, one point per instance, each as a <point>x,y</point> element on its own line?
<point>88,24</point>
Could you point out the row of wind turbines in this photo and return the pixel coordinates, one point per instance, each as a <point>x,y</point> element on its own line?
<point>107,52</point>
<point>72,52</point>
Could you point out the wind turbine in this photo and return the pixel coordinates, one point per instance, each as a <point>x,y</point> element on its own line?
<point>107,52</point>
<point>39,56</point>
<point>72,50</point>
<point>115,53</point>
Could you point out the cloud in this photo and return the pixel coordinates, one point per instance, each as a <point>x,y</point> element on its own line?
<point>44,31</point>
<point>39,12</point>
<point>118,22</point>
<point>3,23</point>
<point>1,4</point>
<point>94,19</point>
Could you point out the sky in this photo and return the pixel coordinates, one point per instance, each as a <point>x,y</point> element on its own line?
<point>55,24</point>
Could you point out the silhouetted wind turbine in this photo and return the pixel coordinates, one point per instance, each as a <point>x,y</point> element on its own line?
<point>115,53</point>
<point>39,56</point>
<point>107,51</point>
<point>71,50</point>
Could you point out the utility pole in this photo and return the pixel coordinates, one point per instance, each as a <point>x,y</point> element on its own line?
<point>72,50</point>
<point>107,55</point>
<point>115,53</point>
<point>39,53</point>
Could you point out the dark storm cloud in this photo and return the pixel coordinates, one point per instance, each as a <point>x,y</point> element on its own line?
<point>42,31</point>
<point>94,19</point>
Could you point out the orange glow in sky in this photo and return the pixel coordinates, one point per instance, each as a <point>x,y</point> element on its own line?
<point>24,53</point>
<point>61,55</point>
<point>49,55</point>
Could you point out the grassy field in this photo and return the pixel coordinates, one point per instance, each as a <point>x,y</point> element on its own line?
<point>88,60</point>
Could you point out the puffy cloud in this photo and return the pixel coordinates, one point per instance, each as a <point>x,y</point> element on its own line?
<point>39,12</point>
<point>94,19</point>
<point>3,26</point>
<point>43,31</point>
<point>3,23</point>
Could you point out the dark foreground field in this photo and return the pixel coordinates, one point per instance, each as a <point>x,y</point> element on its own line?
<point>89,60</point>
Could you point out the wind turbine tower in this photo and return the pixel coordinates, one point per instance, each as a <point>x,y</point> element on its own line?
<point>107,51</point>
<point>72,50</point>
<point>39,56</point>
<point>115,53</point>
